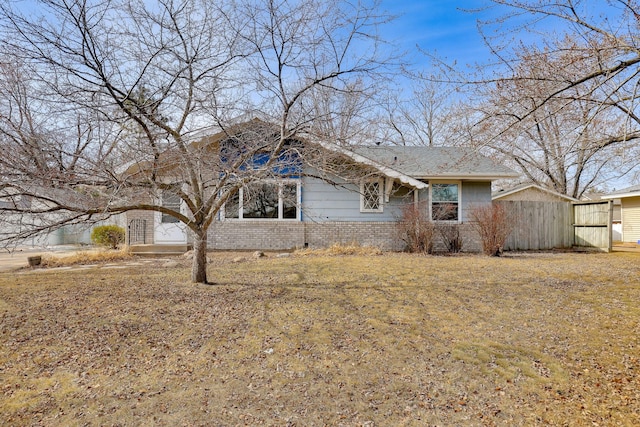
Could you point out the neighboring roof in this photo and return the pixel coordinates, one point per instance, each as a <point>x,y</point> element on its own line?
<point>527,186</point>
<point>423,162</point>
<point>633,191</point>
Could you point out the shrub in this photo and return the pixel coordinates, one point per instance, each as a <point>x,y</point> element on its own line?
<point>450,234</point>
<point>416,230</point>
<point>108,235</point>
<point>494,224</point>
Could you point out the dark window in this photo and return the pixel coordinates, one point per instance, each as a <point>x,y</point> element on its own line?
<point>444,202</point>
<point>260,201</point>
<point>289,201</point>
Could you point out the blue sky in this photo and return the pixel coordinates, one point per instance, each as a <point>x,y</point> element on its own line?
<point>449,27</point>
<point>438,26</point>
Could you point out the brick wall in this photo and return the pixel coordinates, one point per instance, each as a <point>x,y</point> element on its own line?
<point>148,216</point>
<point>380,234</point>
<point>286,235</point>
<point>267,235</point>
<point>280,235</point>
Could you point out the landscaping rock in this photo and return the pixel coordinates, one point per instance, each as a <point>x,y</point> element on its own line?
<point>171,264</point>
<point>258,254</point>
<point>283,255</point>
<point>237,259</point>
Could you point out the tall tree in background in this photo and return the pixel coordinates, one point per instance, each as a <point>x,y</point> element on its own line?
<point>565,110</point>
<point>112,95</point>
<point>568,143</point>
<point>424,112</point>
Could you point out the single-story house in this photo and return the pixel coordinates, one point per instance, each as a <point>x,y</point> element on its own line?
<point>629,213</point>
<point>316,208</point>
<point>531,192</point>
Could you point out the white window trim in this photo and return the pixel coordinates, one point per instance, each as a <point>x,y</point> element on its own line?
<point>459,183</point>
<point>280,183</point>
<point>380,182</point>
<point>158,215</point>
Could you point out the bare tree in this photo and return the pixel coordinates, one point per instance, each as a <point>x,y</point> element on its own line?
<point>121,97</point>
<point>424,116</point>
<point>565,109</point>
<point>568,143</point>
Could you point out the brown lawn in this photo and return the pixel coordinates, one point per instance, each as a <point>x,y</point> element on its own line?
<point>386,340</point>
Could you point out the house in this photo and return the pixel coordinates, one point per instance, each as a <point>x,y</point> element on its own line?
<point>30,217</point>
<point>629,214</point>
<point>531,192</point>
<point>317,205</point>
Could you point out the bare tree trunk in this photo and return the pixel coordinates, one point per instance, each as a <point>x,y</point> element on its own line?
<point>199,266</point>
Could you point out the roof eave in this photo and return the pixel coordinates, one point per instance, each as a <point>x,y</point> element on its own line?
<point>385,170</point>
<point>621,195</point>
<point>475,177</point>
<point>537,187</point>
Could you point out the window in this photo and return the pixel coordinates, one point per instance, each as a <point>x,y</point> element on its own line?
<point>264,200</point>
<point>260,201</point>
<point>445,201</point>
<point>289,201</point>
<point>371,195</point>
<point>171,201</point>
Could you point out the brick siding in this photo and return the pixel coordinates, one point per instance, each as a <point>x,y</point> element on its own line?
<point>288,235</point>
<point>147,216</point>
<point>281,235</point>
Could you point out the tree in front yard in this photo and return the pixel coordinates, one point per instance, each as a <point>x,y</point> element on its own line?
<point>107,105</point>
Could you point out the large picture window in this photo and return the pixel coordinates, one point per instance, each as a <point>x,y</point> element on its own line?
<point>371,193</point>
<point>264,200</point>
<point>445,201</point>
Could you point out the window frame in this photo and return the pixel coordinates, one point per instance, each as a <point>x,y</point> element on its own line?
<point>363,183</point>
<point>165,218</point>
<point>280,183</point>
<point>458,202</point>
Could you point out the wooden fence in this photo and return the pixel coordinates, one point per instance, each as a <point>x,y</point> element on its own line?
<point>592,224</point>
<point>552,225</point>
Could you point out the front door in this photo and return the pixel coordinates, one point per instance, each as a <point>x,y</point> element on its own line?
<point>169,230</point>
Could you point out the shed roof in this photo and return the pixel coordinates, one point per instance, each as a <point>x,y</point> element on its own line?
<point>522,187</point>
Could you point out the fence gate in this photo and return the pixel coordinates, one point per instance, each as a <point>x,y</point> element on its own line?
<point>592,224</point>
<point>137,231</point>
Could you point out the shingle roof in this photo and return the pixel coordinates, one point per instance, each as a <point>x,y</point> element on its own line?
<point>436,162</point>
<point>632,191</point>
<point>509,191</point>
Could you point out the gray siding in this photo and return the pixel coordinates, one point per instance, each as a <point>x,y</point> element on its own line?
<point>474,193</point>
<point>322,201</point>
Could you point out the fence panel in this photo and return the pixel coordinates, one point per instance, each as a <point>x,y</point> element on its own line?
<point>551,225</point>
<point>592,224</point>
<point>539,225</point>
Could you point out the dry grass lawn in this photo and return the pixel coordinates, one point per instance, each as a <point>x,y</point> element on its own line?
<point>375,340</point>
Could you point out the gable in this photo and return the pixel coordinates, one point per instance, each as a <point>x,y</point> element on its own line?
<point>531,193</point>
